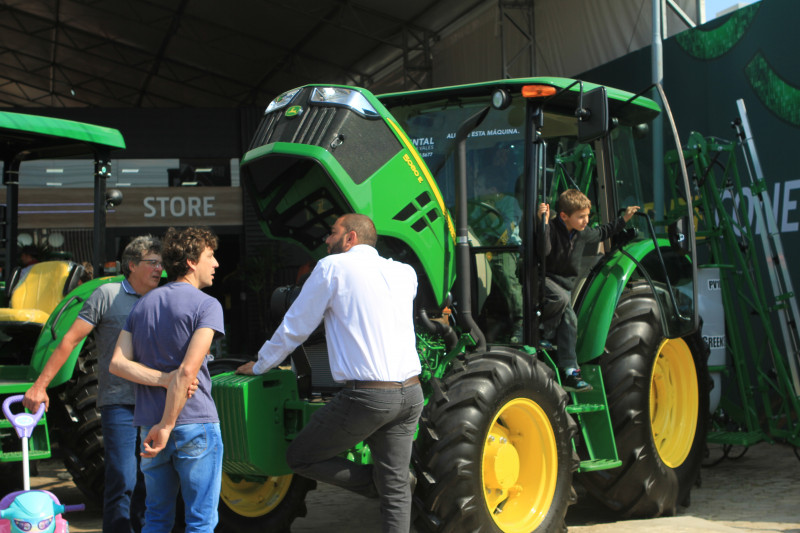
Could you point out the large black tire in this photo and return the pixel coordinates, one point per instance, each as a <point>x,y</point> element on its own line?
<point>494,450</point>
<point>249,505</point>
<point>658,394</point>
<point>79,425</point>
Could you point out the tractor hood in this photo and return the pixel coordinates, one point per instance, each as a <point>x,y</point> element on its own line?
<point>323,151</point>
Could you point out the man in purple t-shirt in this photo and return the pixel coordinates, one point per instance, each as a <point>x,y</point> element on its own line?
<point>172,329</point>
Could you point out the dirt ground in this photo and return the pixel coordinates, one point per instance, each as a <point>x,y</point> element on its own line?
<point>759,492</point>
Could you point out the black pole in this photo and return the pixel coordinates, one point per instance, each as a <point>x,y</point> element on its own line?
<point>11,181</point>
<point>463,278</point>
<point>533,251</point>
<point>102,171</point>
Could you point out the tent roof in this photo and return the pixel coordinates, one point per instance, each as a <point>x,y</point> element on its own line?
<point>201,53</point>
<point>213,54</point>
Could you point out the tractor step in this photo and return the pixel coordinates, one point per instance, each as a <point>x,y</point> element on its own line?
<point>585,408</point>
<point>592,465</point>
<point>33,455</point>
<point>591,410</point>
<point>736,438</point>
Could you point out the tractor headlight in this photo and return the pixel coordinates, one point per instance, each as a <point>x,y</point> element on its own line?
<point>349,98</point>
<point>282,101</point>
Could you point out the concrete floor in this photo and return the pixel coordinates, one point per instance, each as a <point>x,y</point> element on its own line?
<point>760,492</point>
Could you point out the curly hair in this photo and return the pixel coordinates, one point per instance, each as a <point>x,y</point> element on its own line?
<point>185,245</point>
<point>138,248</point>
<point>573,200</point>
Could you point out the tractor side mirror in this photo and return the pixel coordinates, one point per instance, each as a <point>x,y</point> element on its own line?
<point>593,115</point>
<point>679,235</point>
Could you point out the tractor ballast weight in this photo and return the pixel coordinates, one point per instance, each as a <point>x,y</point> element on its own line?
<point>409,160</point>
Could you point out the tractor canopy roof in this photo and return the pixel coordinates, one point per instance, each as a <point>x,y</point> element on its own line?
<point>37,137</point>
<point>628,108</point>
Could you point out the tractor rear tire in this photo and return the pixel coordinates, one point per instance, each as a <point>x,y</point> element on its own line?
<point>80,429</point>
<point>494,450</point>
<point>658,394</point>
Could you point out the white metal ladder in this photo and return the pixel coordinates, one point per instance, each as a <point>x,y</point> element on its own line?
<point>785,303</point>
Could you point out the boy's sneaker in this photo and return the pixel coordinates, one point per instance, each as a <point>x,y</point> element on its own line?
<point>573,382</point>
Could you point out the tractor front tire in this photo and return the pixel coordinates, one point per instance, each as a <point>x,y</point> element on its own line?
<point>247,506</point>
<point>657,391</point>
<point>80,428</point>
<point>494,450</point>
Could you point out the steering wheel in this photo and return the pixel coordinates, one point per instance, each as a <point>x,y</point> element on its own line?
<point>488,218</point>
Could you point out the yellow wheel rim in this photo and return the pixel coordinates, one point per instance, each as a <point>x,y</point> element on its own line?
<point>519,466</point>
<point>252,499</point>
<point>674,400</point>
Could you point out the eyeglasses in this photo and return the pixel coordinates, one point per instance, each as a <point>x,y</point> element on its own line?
<point>154,263</point>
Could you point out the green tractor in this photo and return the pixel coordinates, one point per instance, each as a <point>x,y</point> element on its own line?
<point>42,301</point>
<point>452,178</point>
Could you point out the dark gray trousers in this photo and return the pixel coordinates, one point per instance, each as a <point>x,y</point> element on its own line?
<point>386,420</point>
<point>558,316</point>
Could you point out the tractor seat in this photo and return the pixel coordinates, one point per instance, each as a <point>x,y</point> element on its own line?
<point>39,290</point>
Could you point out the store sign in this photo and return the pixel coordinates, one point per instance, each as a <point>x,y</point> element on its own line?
<point>152,206</point>
<point>178,207</point>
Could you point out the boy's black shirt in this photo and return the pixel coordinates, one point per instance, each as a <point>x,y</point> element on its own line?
<point>566,248</point>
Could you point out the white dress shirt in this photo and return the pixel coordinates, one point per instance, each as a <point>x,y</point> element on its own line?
<point>367,304</point>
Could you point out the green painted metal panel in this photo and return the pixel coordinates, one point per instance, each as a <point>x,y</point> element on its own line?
<point>59,322</point>
<point>50,131</point>
<point>252,410</point>
<point>594,316</point>
<point>290,180</point>
<point>57,127</point>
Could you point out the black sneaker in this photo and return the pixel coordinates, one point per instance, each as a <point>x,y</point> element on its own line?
<point>573,382</point>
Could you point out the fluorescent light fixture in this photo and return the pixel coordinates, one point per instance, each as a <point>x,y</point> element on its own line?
<point>54,171</point>
<point>130,170</point>
<point>209,169</point>
<point>53,184</point>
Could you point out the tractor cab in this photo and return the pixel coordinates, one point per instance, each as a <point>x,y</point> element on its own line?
<point>324,151</point>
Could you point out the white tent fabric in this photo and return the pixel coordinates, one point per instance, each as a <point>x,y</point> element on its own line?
<point>570,37</point>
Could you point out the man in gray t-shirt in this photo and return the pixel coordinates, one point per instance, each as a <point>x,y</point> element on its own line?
<point>105,313</point>
<point>171,330</point>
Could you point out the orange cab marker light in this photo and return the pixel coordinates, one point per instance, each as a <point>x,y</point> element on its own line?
<point>538,91</point>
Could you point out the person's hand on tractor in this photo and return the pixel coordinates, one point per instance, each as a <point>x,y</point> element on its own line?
<point>34,397</point>
<point>544,209</point>
<point>629,212</point>
<point>247,369</point>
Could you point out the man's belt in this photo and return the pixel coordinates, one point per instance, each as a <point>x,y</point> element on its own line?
<point>352,384</point>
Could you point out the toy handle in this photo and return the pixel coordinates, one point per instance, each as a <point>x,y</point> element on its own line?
<point>22,422</point>
<point>76,507</point>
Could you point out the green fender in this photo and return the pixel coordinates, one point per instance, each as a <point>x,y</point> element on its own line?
<point>602,296</point>
<point>56,327</point>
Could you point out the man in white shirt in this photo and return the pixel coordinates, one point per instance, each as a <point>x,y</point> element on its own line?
<point>366,302</point>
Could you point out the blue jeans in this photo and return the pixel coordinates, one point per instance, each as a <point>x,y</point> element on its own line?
<point>191,462</point>
<point>123,497</point>
<point>386,420</point>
